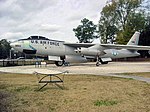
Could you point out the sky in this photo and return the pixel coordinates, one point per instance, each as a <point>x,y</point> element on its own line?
<point>54,19</point>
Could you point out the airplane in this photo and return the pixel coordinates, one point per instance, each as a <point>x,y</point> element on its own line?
<point>62,52</point>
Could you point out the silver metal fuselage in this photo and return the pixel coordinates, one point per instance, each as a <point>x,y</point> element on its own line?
<point>57,48</point>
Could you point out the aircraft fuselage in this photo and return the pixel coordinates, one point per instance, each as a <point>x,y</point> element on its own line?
<point>57,48</point>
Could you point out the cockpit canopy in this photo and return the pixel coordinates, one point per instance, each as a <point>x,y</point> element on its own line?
<point>36,38</point>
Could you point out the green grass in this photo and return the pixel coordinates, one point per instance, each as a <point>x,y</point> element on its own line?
<point>21,89</point>
<point>105,103</point>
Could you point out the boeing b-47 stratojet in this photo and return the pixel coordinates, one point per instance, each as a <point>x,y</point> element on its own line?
<point>62,52</point>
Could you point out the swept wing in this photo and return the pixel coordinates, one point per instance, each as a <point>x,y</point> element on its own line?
<point>129,47</point>
<point>109,46</point>
<point>79,44</point>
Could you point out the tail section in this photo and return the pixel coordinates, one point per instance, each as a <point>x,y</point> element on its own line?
<point>134,39</point>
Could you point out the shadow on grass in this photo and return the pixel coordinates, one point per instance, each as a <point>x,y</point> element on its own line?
<point>5,102</point>
<point>56,86</point>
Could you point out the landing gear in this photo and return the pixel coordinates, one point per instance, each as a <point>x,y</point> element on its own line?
<point>97,61</point>
<point>100,61</point>
<point>59,63</point>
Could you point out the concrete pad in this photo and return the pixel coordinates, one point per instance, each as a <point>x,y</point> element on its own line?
<point>84,68</point>
<point>109,69</point>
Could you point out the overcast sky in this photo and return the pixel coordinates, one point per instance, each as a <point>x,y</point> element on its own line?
<point>54,19</point>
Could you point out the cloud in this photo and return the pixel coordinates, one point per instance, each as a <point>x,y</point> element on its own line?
<point>48,17</point>
<point>20,9</point>
<point>11,36</point>
<point>76,17</point>
<point>50,27</point>
<point>96,5</point>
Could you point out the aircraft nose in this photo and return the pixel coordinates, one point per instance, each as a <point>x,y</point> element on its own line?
<point>12,44</point>
<point>15,45</point>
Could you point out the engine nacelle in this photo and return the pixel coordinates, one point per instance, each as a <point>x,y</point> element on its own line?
<point>73,58</point>
<point>89,51</point>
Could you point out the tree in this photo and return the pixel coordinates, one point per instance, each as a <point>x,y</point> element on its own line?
<point>135,22</point>
<point>124,9</point>
<point>119,18</point>
<point>131,19</point>
<point>107,23</point>
<point>0,50</point>
<point>145,39</point>
<point>86,32</point>
<point>4,49</point>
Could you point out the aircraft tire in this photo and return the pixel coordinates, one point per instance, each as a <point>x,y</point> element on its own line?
<point>59,63</point>
<point>97,64</point>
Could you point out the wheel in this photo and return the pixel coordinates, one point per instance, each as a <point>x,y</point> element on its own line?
<point>66,63</point>
<point>97,64</point>
<point>59,63</point>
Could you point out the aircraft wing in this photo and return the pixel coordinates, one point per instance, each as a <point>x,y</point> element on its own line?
<point>109,46</point>
<point>129,47</point>
<point>79,44</point>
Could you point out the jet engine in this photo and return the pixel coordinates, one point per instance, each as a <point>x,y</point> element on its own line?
<point>89,51</point>
<point>74,58</point>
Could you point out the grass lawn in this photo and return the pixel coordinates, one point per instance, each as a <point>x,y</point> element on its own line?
<point>82,93</point>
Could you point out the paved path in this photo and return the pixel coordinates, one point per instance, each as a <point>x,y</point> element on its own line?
<point>89,68</point>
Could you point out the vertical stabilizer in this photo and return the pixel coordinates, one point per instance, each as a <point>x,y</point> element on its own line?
<point>134,39</point>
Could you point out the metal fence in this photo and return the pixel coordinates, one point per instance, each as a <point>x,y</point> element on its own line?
<point>18,62</point>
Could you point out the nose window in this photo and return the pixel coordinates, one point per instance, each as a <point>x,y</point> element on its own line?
<point>17,45</point>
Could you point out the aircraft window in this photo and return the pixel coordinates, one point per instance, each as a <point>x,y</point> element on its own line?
<point>43,38</point>
<point>44,42</point>
<point>32,41</point>
<point>51,43</point>
<point>41,42</point>
<point>34,37</point>
<point>29,38</point>
<point>36,41</point>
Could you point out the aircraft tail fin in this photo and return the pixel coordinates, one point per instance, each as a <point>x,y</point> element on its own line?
<point>134,39</point>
